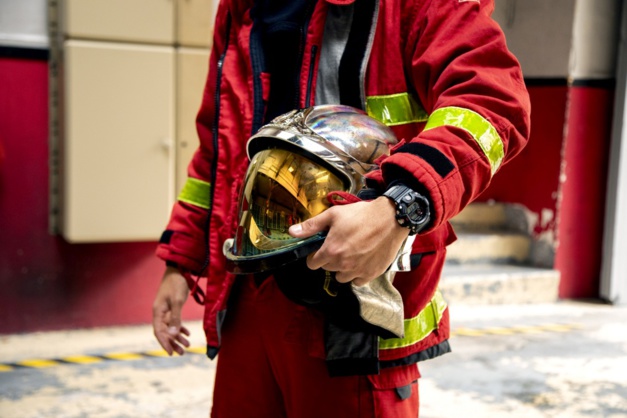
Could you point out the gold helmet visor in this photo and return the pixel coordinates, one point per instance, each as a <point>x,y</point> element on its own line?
<point>281,189</point>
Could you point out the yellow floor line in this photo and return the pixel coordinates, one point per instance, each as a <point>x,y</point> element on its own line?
<point>87,359</point>
<point>37,363</point>
<point>123,356</point>
<point>467,332</point>
<point>128,356</point>
<point>519,329</point>
<point>157,353</point>
<point>197,350</point>
<point>527,329</point>
<point>82,359</point>
<point>5,368</point>
<point>500,331</point>
<point>558,327</point>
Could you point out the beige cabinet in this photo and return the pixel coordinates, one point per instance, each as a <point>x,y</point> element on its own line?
<point>191,65</point>
<point>195,22</point>
<point>150,21</point>
<point>130,84</point>
<point>119,132</point>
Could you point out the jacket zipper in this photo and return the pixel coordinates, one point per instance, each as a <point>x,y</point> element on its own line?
<point>312,66</point>
<point>301,52</point>
<point>256,63</point>
<point>214,163</point>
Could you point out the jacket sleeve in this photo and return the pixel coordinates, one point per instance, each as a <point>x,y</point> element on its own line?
<point>473,90</point>
<point>185,240</point>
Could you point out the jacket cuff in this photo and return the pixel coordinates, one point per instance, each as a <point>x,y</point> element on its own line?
<point>443,194</point>
<point>182,251</point>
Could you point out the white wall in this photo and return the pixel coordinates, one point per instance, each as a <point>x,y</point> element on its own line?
<point>614,269</point>
<point>561,38</point>
<point>23,23</point>
<point>594,35</point>
<point>539,33</point>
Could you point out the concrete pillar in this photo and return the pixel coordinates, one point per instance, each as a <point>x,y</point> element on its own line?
<point>586,147</point>
<point>614,263</point>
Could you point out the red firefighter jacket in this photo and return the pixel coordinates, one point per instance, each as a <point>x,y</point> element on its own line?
<point>437,72</point>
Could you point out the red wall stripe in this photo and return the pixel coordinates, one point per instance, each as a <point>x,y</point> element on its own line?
<point>582,211</point>
<point>46,282</point>
<point>532,178</point>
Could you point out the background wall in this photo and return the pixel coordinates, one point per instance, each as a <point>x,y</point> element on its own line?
<point>47,282</point>
<point>539,33</point>
<point>50,284</point>
<point>568,54</point>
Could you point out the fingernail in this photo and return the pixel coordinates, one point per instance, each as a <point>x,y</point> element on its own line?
<point>172,331</point>
<point>296,229</point>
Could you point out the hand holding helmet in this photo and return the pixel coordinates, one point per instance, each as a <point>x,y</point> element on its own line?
<point>361,243</point>
<point>296,161</point>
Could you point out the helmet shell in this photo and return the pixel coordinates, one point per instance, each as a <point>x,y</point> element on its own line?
<point>343,138</point>
<point>296,159</point>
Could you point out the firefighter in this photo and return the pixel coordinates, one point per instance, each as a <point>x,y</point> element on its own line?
<point>436,72</point>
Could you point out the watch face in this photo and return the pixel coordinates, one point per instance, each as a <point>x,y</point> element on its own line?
<point>412,208</point>
<point>415,212</point>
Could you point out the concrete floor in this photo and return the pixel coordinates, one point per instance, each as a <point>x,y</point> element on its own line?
<point>566,360</point>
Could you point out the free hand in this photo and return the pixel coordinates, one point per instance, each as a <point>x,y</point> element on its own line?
<point>362,241</point>
<point>166,312</point>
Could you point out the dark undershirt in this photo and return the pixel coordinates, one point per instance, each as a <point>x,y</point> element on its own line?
<point>280,26</point>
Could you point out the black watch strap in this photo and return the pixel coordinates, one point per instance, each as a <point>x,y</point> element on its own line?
<point>412,208</point>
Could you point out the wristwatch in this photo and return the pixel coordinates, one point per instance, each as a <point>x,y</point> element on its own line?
<point>412,208</point>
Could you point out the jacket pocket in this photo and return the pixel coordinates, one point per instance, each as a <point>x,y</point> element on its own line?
<point>395,391</point>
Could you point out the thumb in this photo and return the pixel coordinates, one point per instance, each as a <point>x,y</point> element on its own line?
<point>311,226</point>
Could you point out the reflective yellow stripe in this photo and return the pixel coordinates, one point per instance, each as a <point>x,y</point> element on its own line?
<point>196,192</point>
<point>476,125</point>
<point>419,327</point>
<point>395,109</point>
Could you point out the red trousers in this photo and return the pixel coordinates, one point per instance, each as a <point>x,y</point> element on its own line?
<point>271,365</point>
